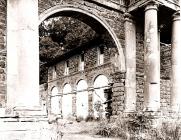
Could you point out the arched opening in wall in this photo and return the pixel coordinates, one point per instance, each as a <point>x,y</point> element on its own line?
<point>66,31</point>
<point>55,101</point>
<point>67,101</point>
<point>100,84</point>
<point>82,99</point>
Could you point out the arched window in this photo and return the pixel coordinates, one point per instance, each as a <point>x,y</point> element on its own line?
<point>67,101</point>
<point>100,83</point>
<point>82,99</point>
<point>55,106</point>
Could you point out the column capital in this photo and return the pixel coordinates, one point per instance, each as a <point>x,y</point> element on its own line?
<point>152,5</point>
<point>128,17</point>
<point>176,16</point>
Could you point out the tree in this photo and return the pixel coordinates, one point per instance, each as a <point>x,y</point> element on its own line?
<point>59,35</point>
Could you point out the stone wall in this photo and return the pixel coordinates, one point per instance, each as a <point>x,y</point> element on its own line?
<point>91,71</point>
<point>165,71</point>
<point>165,90</point>
<point>139,68</point>
<point>2,52</point>
<point>165,65</point>
<point>165,83</point>
<point>118,97</point>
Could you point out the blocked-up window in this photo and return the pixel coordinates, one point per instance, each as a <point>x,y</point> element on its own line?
<point>55,99</point>
<point>100,55</point>
<point>67,101</point>
<point>100,83</point>
<point>66,72</point>
<point>54,72</point>
<point>81,62</point>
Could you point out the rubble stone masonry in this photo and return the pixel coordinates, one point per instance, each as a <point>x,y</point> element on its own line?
<point>2,52</point>
<point>165,83</point>
<point>116,21</point>
<point>91,71</point>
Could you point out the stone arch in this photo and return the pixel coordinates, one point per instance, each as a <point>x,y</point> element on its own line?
<point>67,100</point>
<point>82,99</point>
<point>98,74</point>
<point>59,8</point>
<point>55,100</point>
<point>100,83</point>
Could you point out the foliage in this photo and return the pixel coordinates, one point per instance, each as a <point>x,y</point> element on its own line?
<point>139,127</point>
<point>57,36</point>
<point>61,34</point>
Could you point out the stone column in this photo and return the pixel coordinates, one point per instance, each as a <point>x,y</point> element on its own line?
<point>176,64</point>
<point>152,59</point>
<point>130,49</point>
<point>22,53</point>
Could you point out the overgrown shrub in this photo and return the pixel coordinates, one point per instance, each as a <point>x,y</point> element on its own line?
<point>139,127</point>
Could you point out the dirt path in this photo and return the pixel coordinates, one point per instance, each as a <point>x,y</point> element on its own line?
<point>80,131</point>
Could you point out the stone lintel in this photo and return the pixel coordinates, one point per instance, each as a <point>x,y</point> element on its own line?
<point>169,3</point>
<point>152,5</point>
<point>117,6</point>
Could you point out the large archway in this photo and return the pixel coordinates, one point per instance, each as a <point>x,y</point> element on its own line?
<point>95,22</point>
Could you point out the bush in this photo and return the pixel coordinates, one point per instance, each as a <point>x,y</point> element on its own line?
<point>111,129</point>
<point>139,127</point>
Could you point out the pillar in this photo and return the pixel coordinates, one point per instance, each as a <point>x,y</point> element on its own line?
<point>152,59</point>
<point>130,49</point>
<point>22,53</point>
<point>176,64</point>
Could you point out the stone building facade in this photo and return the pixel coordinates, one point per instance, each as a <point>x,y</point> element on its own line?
<point>91,70</point>
<point>143,69</point>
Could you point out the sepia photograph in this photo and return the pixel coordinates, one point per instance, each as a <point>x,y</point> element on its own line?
<point>90,70</point>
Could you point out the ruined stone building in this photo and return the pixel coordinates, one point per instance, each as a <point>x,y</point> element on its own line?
<point>132,66</point>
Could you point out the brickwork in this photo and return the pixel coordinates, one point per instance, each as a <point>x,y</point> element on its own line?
<point>2,52</point>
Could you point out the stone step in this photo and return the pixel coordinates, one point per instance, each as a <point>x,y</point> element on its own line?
<point>28,131</point>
